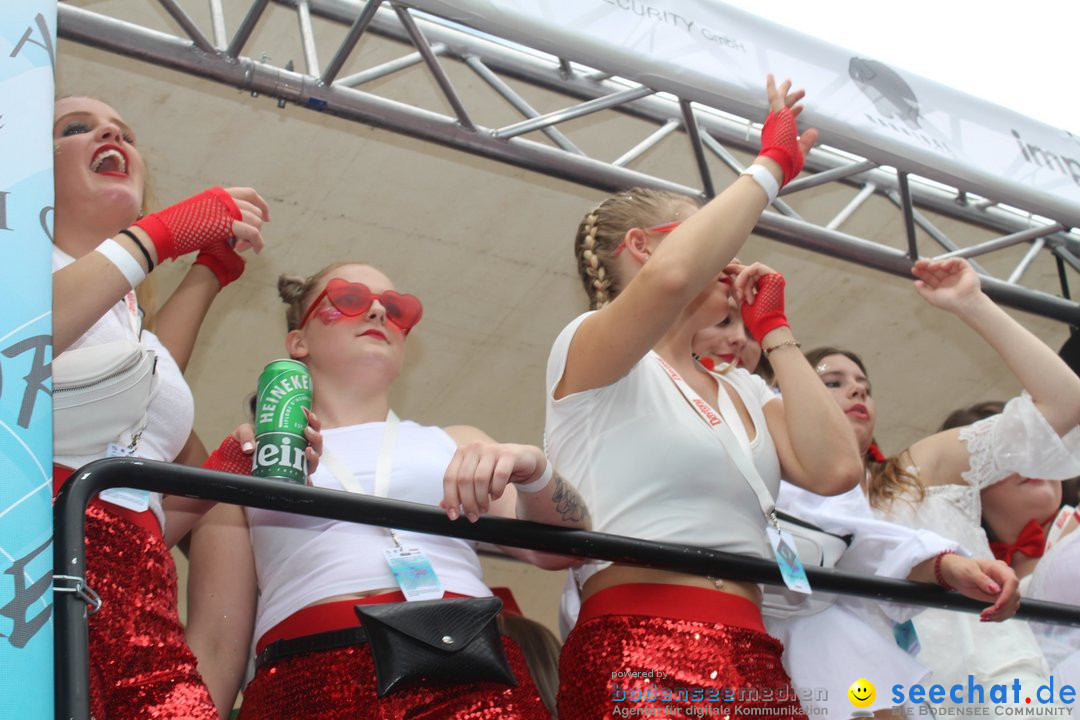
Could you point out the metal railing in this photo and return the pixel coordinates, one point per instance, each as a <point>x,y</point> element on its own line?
<point>70,612</point>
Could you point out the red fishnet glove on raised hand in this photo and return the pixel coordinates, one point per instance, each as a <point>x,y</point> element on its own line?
<point>192,224</point>
<point>780,142</point>
<point>767,312</point>
<point>223,261</point>
<point>229,458</point>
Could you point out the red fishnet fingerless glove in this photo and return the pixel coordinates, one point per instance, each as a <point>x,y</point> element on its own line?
<point>192,224</point>
<point>767,312</point>
<point>229,458</point>
<point>780,142</point>
<point>223,261</point>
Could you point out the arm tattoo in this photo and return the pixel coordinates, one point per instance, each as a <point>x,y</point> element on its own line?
<point>567,501</point>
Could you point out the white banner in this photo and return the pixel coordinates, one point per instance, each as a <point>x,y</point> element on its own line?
<point>27,57</point>
<point>706,51</point>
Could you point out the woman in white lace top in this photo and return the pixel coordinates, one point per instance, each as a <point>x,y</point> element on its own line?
<point>935,483</point>
<point>1031,529</point>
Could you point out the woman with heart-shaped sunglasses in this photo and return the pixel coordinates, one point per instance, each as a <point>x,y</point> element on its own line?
<point>350,326</point>
<point>633,423</point>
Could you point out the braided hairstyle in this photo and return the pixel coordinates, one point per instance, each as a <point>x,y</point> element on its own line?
<point>297,292</point>
<point>603,230</point>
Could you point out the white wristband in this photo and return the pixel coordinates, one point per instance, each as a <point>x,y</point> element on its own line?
<point>124,262</point>
<point>765,179</point>
<point>539,483</point>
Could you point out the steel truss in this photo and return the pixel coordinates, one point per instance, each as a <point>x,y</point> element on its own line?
<point>711,131</point>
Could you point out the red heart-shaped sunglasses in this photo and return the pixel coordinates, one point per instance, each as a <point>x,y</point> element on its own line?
<point>354,298</point>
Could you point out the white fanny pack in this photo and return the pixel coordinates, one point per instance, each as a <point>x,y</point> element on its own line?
<point>817,549</point>
<point>101,393</point>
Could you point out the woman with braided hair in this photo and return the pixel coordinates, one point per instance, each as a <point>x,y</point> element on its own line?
<point>103,247</point>
<point>635,424</point>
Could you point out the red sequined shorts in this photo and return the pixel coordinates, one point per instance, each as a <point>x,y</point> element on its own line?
<point>339,684</point>
<point>140,665</point>
<point>673,649</point>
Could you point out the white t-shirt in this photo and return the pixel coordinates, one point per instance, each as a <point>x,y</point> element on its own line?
<point>649,467</point>
<point>171,412</point>
<point>302,560</point>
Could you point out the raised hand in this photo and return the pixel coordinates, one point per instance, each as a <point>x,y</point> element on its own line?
<point>761,291</point>
<point>223,261</point>
<point>213,216</point>
<point>949,284</point>
<point>780,140</point>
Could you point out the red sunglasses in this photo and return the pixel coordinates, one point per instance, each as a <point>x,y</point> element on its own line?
<point>662,229</point>
<point>354,298</point>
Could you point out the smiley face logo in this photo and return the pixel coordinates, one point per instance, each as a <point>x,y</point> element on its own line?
<point>861,693</point>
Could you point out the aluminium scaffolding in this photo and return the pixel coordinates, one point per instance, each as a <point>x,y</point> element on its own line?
<point>710,131</point>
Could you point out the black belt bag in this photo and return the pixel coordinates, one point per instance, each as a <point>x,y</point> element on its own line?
<point>448,641</point>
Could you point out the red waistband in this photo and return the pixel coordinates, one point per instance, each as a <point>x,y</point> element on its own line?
<point>328,616</point>
<point>146,519</point>
<point>674,602</point>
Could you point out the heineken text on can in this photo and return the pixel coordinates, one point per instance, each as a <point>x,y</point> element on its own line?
<point>284,390</point>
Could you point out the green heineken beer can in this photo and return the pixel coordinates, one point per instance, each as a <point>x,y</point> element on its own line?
<point>284,391</point>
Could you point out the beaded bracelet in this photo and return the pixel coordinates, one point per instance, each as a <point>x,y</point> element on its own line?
<point>786,343</point>
<point>938,576</point>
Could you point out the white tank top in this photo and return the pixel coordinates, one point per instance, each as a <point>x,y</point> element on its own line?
<point>648,467</point>
<point>302,560</point>
<point>171,413</point>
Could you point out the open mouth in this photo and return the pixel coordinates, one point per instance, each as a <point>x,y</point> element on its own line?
<point>109,160</point>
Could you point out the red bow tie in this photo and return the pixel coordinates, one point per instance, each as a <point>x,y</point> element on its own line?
<point>1031,542</point>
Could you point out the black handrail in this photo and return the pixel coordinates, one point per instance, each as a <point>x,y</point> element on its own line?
<point>70,611</point>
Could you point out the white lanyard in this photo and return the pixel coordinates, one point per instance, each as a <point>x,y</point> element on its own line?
<point>382,468</point>
<point>132,305</point>
<point>727,439</point>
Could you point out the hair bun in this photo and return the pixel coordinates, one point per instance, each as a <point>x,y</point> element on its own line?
<point>290,288</point>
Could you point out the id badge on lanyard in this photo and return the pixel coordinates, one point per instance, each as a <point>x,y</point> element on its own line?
<point>783,545</point>
<point>413,571</point>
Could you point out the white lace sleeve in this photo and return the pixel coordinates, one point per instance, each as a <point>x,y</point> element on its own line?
<point>1019,440</point>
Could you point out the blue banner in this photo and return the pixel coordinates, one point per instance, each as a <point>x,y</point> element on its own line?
<point>27,60</point>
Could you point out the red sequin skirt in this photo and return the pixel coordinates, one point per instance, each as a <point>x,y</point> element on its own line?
<point>339,684</point>
<point>140,665</point>
<point>674,650</point>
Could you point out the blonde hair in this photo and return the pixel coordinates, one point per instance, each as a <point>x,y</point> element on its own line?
<point>890,481</point>
<point>297,291</point>
<point>604,228</point>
